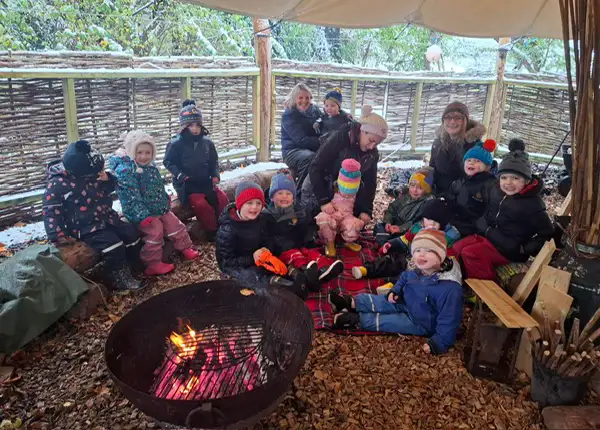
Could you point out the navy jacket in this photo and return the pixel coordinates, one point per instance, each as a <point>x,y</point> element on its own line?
<point>468,197</point>
<point>434,302</point>
<point>297,131</point>
<point>285,231</point>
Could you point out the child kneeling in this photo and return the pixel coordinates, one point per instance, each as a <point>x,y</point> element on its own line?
<point>426,301</point>
<point>145,202</point>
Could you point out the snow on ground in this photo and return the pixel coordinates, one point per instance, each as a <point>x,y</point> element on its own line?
<point>252,168</point>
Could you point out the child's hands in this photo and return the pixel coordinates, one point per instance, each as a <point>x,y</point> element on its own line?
<point>103,176</point>
<point>256,254</point>
<point>215,180</point>
<point>387,228</point>
<point>328,208</point>
<point>365,218</point>
<point>394,229</point>
<point>392,298</point>
<point>385,248</point>
<point>426,348</point>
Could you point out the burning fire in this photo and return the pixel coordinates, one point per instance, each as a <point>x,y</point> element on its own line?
<point>186,345</point>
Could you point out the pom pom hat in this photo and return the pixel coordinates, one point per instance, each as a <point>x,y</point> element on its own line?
<point>334,95</point>
<point>81,160</point>
<point>189,114</point>
<point>373,123</point>
<point>349,177</point>
<point>424,177</point>
<point>482,151</point>
<point>516,161</point>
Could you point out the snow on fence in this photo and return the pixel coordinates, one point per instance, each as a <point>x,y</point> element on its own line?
<point>49,99</point>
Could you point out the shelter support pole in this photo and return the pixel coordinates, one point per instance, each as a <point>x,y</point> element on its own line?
<point>354,97</point>
<point>256,113</point>
<point>186,88</point>
<point>415,117</point>
<point>70,103</point>
<point>499,97</point>
<point>273,109</point>
<point>262,48</point>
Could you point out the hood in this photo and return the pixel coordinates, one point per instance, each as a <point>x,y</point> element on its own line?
<point>120,158</point>
<point>229,215</point>
<point>535,187</point>
<point>132,140</point>
<point>450,271</point>
<point>56,168</point>
<point>475,131</point>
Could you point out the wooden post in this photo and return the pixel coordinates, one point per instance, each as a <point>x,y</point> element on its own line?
<point>262,48</point>
<point>354,97</point>
<point>487,112</point>
<point>273,109</point>
<point>497,112</point>
<point>415,117</point>
<point>70,103</point>
<point>186,88</point>
<point>256,113</point>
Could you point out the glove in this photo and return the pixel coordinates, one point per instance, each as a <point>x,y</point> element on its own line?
<point>147,222</point>
<point>271,263</point>
<point>481,225</point>
<point>317,126</point>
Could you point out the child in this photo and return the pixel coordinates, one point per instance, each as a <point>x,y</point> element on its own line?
<point>469,194</point>
<point>77,205</point>
<point>334,117</point>
<point>426,301</point>
<point>515,224</point>
<point>407,208</point>
<point>192,159</point>
<point>342,219</point>
<point>288,230</point>
<point>145,202</point>
<point>241,240</point>
<point>392,261</point>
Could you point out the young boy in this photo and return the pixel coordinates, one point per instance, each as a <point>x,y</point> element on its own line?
<point>145,202</point>
<point>515,224</point>
<point>407,208</point>
<point>192,159</point>
<point>241,240</point>
<point>469,194</point>
<point>77,205</point>
<point>289,228</point>
<point>334,117</point>
<point>426,301</point>
<point>392,261</point>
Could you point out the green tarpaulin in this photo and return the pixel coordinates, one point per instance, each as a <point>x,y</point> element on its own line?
<point>36,289</point>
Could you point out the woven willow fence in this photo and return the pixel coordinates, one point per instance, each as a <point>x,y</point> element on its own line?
<point>50,99</point>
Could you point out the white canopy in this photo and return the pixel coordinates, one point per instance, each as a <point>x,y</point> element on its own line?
<point>475,18</point>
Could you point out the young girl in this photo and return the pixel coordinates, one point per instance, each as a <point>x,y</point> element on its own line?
<point>407,208</point>
<point>334,117</point>
<point>515,224</point>
<point>145,202</point>
<point>426,301</point>
<point>192,159</point>
<point>342,218</point>
<point>241,240</point>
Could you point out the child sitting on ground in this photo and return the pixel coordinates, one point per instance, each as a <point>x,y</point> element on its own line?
<point>515,224</point>
<point>407,208</point>
<point>426,301</point>
<point>241,240</point>
<point>192,159</point>
<point>145,202</point>
<point>78,205</point>
<point>469,194</point>
<point>289,228</point>
<point>392,260</point>
<point>334,117</point>
<point>342,219</point>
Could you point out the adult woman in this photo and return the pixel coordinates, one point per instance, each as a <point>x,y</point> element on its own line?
<point>299,140</point>
<point>454,138</point>
<point>357,140</point>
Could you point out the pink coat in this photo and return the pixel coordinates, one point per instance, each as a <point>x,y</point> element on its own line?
<point>341,221</point>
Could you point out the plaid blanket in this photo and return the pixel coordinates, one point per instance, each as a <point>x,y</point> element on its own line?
<point>317,302</point>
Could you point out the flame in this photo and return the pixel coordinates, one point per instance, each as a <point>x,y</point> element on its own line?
<point>191,384</point>
<point>186,345</point>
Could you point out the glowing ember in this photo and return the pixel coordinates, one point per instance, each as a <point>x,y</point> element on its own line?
<point>187,344</point>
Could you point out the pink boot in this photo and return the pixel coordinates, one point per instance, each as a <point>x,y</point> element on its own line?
<point>190,254</point>
<point>159,269</point>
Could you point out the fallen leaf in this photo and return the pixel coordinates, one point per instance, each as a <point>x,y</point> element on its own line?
<point>67,404</point>
<point>247,292</point>
<point>103,391</point>
<point>114,318</point>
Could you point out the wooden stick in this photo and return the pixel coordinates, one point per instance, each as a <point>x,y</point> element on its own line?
<point>532,341</point>
<point>571,348</point>
<point>544,346</point>
<point>575,332</point>
<point>594,335</point>
<point>545,358</point>
<point>553,362</point>
<point>590,325</point>
<point>565,365</point>
<point>556,335</point>
<point>547,332</point>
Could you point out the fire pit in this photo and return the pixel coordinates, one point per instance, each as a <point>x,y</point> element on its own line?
<point>210,355</point>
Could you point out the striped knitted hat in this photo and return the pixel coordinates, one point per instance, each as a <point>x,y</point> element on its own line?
<point>433,240</point>
<point>349,177</point>
<point>423,177</point>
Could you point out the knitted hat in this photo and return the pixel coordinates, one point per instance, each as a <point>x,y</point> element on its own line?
<point>482,151</point>
<point>457,107</point>
<point>516,161</point>
<point>247,191</point>
<point>349,177</point>
<point>439,211</point>
<point>135,138</point>
<point>334,95</point>
<point>372,123</point>
<point>282,181</point>
<point>433,240</point>
<point>189,114</point>
<point>81,160</point>
<point>424,177</point>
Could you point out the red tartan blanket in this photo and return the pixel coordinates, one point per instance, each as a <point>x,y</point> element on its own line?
<point>317,302</point>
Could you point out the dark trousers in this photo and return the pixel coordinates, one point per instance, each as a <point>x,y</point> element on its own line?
<point>117,245</point>
<point>250,276</point>
<point>390,265</point>
<point>382,236</point>
<point>299,160</point>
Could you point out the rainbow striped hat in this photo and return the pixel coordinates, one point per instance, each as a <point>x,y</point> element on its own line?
<point>349,177</point>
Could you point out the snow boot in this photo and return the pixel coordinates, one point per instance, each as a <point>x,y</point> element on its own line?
<point>190,254</point>
<point>353,246</point>
<point>359,272</point>
<point>158,269</point>
<point>347,321</point>
<point>311,271</point>
<point>330,272</point>
<point>330,250</point>
<point>295,284</point>
<point>340,302</point>
<point>123,280</point>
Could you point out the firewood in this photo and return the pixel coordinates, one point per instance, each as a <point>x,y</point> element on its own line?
<point>553,362</point>
<point>575,332</point>
<point>571,348</point>
<point>544,346</point>
<point>547,334</point>
<point>545,357</point>
<point>587,345</point>
<point>590,325</point>
<point>555,340</point>
<point>594,335</point>
<point>565,365</point>
<point>532,341</point>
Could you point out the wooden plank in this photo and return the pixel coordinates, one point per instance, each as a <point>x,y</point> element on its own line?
<point>415,116</point>
<point>47,73</point>
<point>262,50</point>
<point>501,304</point>
<point>186,88</point>
<point>556,278</point>
<point>489,99</point>
<point>565,208</point>
<point>70,103</point>
<point>533,274</point>
<point>571,417</point>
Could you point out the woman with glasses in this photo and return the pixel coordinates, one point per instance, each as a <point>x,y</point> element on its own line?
<point>457,134</point>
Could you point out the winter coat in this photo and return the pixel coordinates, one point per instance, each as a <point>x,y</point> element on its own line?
<point>468,197</point>
<point>447,160</point>
<point>434,302</point>
<point>402,243</point>
<point>325,167</point>
<point>404,211</point>
<point>195,158</point>
<point>297,131</point>
<point>518,225</point>
<point>287,230</point>
<point>340,221</point>
<point>140,188</point>
<point>330,124</point>
<point>237,240</point>
<point>74,206</point>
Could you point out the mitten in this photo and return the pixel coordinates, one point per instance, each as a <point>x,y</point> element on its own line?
<point>271,263</point>
<point>317,126</point>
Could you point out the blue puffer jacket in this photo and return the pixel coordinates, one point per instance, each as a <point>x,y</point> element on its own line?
<point>297,131</point>
<point>140,188</point>
<point>434,302</point>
